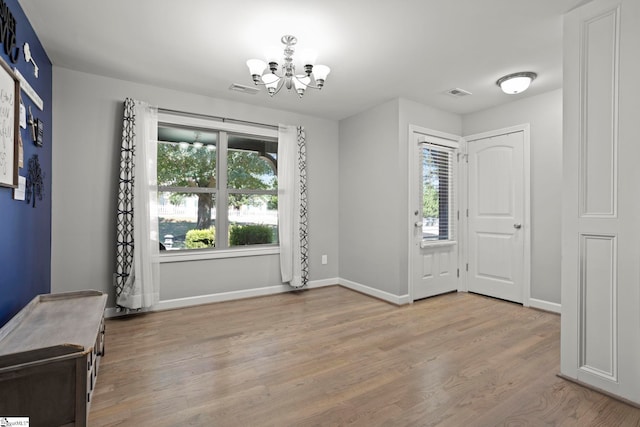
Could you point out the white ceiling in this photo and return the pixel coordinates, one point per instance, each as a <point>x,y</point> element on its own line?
<point>377,51</point>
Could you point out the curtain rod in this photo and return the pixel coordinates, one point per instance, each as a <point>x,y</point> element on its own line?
<point>218,118</point>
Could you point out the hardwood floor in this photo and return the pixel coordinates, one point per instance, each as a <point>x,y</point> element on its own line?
<point>332,357</point>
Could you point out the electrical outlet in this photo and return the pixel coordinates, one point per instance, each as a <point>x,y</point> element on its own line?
<point>324,259</point>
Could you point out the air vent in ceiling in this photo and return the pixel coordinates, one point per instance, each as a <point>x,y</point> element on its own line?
<point>457,92</point>
<point>244,89</point>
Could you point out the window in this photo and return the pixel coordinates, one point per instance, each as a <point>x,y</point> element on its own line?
<point>217,188</point>
<point>438,192</point>
<point>252,183</point>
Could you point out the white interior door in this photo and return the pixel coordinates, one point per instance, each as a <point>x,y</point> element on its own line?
<point>434,249</point>
<point>496,216</point>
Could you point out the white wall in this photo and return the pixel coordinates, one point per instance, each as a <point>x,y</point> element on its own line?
<point>374,193</point>
<point>544,114</point>
<point>87,127</point>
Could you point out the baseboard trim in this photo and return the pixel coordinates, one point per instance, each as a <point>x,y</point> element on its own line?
<point>376,293</point>
<point>272,290</point>
<point>223,296</point>
<point>323,282</point>
<point>545,305</point>
<point>220,297</point>
<point>268,290</point>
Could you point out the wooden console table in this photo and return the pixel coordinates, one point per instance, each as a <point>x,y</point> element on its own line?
<point>49,357</point>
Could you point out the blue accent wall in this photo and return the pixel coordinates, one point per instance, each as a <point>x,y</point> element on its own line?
<point>25,232</point>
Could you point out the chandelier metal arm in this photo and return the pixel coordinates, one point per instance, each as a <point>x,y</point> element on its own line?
<point>293,76</point>
<point>280,86</point>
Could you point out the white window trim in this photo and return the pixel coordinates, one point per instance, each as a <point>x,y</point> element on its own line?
<point>199,255</point>
<point>453,150</point>
<point>208,254</point>
<point>174,119</point>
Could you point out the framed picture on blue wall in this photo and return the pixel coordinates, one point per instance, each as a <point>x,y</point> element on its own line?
<point>9,126</point>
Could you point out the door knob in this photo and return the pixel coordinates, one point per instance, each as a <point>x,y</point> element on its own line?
<point>418,224</point>
<point>517,226</point>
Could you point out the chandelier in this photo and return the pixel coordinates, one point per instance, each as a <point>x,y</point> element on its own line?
<point>288,78</point>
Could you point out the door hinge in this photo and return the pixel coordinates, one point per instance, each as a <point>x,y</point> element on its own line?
<point>467,213</point>
<point>458,273</point>
<point>458,215</point>
<point>467,266</point>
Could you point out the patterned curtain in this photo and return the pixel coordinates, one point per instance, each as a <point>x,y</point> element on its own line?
<point>137,284</point>
<point>124,227</point>
<point>304,237</point>
<point>292,206</point>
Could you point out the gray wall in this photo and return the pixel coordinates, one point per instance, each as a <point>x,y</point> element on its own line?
<point>368,187</point>
<point>374,194</point>
<point>358,193</point>
<point>87,126</point>
<point>544,114</point>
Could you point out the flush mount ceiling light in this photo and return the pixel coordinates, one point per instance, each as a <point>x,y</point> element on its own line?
<point>516,82</point>
<point>287,77</point>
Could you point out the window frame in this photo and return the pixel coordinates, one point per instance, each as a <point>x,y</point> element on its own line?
<point>222,191</point>
<point>452,150</point>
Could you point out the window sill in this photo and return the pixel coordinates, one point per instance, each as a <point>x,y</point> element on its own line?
<point>434,244</point>
<point>198,255</point>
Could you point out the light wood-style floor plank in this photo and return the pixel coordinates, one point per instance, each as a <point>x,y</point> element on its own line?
<point>333,357</point>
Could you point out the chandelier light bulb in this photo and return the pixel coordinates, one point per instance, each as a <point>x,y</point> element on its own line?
<point>320,73</point>
<point>301,82</point>
<point>270,81</point>
<point>256,67</point>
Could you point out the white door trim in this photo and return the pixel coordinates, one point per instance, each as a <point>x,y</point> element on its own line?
<point>412,186</point>
<point>525,128</point>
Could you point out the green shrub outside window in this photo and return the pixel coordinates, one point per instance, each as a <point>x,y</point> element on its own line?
<point>251,235</point>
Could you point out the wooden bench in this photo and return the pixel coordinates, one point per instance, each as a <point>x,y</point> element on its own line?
<point>49,357</point>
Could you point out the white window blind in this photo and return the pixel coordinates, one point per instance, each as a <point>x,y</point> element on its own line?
<point>439,187</point>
